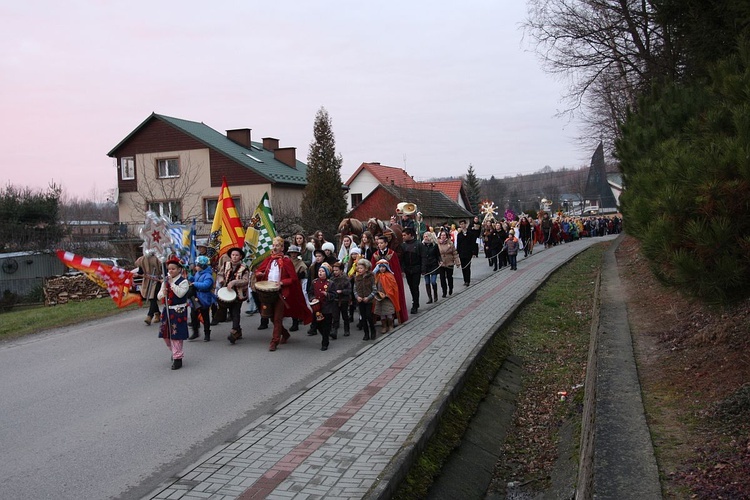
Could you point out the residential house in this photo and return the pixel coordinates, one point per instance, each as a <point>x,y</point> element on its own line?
<point>87,230</point>
<point>371,175</point>
<point>436,208</point>
<point>175,168</point>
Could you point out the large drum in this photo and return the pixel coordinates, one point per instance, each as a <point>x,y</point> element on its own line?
<point>226,296</point>
<point>317,307</point>
<point>268,294</point>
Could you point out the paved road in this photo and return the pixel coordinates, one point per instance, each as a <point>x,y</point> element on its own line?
<point>93,411</point>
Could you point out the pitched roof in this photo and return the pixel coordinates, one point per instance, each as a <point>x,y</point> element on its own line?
<point>452,189</point>
<point>433,203</point>
<point>384,174</point>
<point>597,186</point>
<point>266,164</point>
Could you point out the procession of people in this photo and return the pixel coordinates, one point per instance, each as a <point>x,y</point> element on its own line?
<point>357,285</point>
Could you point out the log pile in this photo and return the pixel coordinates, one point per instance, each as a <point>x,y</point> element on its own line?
<point>63,289</point>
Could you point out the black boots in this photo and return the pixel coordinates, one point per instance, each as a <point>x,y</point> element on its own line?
<point>195,334</point>
<point>176,364</point>
<point>434,291</point>
<point>295,325</point>
<point>263,324</point>
<point>429,293</point>
<point>234,336</point>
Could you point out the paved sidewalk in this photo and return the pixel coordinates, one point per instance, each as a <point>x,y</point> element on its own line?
<point>353,432</point>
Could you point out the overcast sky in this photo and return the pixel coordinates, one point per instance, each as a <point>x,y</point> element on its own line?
<point>429,86</point>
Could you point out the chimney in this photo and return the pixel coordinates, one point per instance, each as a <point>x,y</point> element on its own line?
<point>270,144</point>
<point>241,136</point>
<point>287,156</point>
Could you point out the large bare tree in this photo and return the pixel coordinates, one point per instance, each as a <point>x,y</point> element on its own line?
<point>608,50</point>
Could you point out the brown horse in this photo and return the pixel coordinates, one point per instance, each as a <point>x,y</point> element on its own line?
<point>392,232</point>
<point>350,227</point>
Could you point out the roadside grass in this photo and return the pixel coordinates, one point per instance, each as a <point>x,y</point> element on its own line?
<point>25,320</point>
<point>551,335</point>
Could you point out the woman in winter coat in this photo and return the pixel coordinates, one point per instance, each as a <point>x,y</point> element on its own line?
<point>448,260</point>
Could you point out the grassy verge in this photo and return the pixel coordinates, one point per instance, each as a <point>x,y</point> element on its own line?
<point>22,321</point>
<point>551,335</point>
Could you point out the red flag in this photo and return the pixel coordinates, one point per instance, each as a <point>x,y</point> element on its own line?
<point>116,280</point>
<point>227,230</point>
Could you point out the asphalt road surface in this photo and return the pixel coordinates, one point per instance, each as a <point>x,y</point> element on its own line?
<point>94,411</point>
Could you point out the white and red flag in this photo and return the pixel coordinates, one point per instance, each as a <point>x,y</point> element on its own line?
<point>116,280</point>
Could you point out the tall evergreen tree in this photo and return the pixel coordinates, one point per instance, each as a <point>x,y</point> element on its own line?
<point>323,201</point>
<point>473,190</point>
<point>687,175</point>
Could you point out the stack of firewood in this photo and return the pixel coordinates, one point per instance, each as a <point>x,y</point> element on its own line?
<point>63,289</point>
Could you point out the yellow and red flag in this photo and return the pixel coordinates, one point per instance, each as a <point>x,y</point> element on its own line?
<point>116,280</point>
<point>227,230</point>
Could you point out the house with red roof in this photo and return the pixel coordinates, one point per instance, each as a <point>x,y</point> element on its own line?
<point>371,175</point>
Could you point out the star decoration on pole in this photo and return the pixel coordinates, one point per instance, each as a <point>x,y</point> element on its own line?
<point>156,239</point>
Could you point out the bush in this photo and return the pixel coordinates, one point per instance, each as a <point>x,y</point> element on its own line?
<point>8,300</point>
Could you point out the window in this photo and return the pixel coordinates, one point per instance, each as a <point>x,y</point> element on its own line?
<point>168,167</point>
<point>356,199</point>
<point>127,168</point>
<point>171,209</point>
<point>209,207</point>
<point>253,158</point>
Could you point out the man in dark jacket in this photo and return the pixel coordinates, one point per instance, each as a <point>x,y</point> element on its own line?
<point>412,251</point>
<point>466,242</point>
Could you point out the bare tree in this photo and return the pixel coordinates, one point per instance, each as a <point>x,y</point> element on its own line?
<point>609,50</point>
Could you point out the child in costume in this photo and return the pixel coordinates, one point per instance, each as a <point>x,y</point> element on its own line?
<point>174,317</point>
<point>364,293</point>
<point>386,300</point>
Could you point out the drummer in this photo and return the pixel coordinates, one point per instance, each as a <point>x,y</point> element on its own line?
<point>279,268</point>
<point>236,276</point>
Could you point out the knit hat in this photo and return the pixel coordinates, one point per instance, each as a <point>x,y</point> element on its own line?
<point>294,249</point>
<point>202,261</point>
<point>325,266</point>
<point>328,246</point>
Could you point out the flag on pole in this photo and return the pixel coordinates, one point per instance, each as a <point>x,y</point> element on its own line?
<point>260,233</point>
<point>116,280</point>
<point>177,235</point>
<point>193,249</point>
<point>226,231</point>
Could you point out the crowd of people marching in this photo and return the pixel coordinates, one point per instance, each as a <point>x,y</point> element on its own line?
<point>361,284</point>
